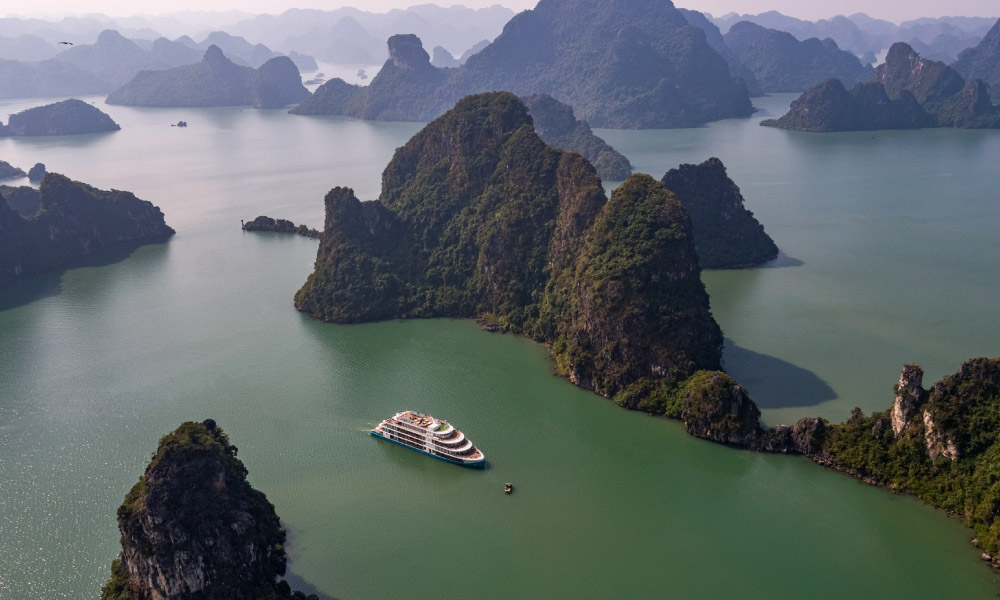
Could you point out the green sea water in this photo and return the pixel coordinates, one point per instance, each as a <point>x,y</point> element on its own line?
<point>892,257</point>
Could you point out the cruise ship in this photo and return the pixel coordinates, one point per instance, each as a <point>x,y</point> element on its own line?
<point>431,436</point>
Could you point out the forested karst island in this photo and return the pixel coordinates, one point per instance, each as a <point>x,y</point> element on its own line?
<point>73,219</point>
<point>216,81</point>
<point>620,64</point>
<point>194,527</point>
<point>781,63</point>
<point>906,92</point>
<point>479,219</point>
<point>69,117</point>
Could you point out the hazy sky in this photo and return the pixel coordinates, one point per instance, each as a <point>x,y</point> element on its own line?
<point>893,10</point>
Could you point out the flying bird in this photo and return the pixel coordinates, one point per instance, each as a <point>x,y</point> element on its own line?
<point>67,43</point>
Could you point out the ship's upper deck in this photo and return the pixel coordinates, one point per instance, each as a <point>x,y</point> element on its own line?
<point>436,427</point>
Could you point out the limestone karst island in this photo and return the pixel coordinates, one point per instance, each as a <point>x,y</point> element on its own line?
<point>322,300</point>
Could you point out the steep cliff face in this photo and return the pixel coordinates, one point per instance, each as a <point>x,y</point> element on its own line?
<point>73,220</point>
<point>193,527</point>
<point>215,81</point>
<point>468,207</point>
<point>619,64</point>
<point>726,234</point>
<point>559,128</point>
<point>69,117</point>
<point>931,82</point>
<point>637,306</point>
<point>910,396</point>
<point>479,218</point>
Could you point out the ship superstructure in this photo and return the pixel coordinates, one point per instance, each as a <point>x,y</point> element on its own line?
<point>435,437</point>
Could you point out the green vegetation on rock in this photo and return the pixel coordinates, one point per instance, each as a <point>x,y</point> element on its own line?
<point>72,219</point>
<point>193,527</point>
<point>478,218</point>
<point>942,445</point>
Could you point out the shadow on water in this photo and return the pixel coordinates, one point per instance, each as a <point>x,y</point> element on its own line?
<point>32,288</point>
<point>301,585</point>
<point>772,382</point>
<point>783,260</point>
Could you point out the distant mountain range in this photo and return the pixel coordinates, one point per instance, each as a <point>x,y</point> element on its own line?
<point>216,81</point>
<point>345,35</point>
<point>636,64</point>
<point>781,63</point>
<point>353,36</point>
<point>867,37</point>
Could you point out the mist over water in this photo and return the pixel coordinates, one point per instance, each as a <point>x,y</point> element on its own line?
<point>890,251</point>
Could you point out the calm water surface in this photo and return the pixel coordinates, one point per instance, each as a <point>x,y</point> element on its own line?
<point>892,238</point>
